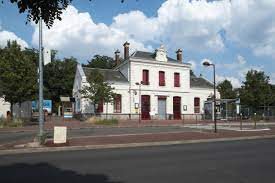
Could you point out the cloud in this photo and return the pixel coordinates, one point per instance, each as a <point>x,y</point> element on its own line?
<point>6,35</point>
<point>252,25</point>
<point>236,83</point>
<point>199,25</point>
<point>193,64</point>
<point>79,36</point>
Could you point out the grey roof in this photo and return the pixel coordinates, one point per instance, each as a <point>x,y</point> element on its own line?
<point>199,82</point>
<point>149,56</point>
<point>108,74</point>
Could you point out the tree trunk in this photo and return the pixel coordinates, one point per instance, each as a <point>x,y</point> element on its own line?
<point>20,110</point>
<point>11,111</point>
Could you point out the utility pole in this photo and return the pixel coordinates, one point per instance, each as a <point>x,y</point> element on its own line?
<point>41,112</point>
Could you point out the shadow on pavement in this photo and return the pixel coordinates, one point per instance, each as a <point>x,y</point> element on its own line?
<point>44,172</point>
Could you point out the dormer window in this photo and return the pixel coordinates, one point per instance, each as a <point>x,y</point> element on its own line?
<point>145,77</point>
<point>161,54</point>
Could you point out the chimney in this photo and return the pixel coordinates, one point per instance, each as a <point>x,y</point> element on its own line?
<point>126,50</point>
<point>179,55</point>
<point>117,60</point>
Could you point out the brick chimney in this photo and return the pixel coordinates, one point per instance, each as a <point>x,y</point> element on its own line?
<point>126,50</point>
<point>179,55</point>
<point>117,60</point>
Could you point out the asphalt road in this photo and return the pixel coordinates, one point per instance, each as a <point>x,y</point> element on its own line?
<point>221,162</point>
<point>12,137</point>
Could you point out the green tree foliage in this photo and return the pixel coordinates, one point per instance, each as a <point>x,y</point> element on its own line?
<point>256,90</point>
<point>102,62</point>
<point>58,79</point>
<point>48,9</point>
<point>98,90</point>
<point>18,73</point>
<point>226,90</point>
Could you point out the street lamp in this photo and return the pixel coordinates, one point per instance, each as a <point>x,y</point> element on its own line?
<point>207,64</point>
<point>139,106</point>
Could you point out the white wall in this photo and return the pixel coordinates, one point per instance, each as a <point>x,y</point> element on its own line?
<point>4,108</point>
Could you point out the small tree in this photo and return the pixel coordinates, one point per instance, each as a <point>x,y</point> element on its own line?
<point>98,90</point>
<point>256,90</point>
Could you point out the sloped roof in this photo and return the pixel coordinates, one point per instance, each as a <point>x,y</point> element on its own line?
<point>199,82</point>
<point>108,74</point>
<point>150,56</point>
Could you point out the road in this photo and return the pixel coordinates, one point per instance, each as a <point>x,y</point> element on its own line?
<point>220,162</point>
<point>7,137</point>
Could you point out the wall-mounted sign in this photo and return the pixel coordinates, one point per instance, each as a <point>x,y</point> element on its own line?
<point>184,107</point>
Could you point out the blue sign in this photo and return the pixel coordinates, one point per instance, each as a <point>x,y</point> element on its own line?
<point>47,105</point>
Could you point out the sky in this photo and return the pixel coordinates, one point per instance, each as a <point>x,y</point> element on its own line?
<point>236,35</point>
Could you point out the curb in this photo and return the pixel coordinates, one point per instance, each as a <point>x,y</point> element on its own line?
<point>129,145</point>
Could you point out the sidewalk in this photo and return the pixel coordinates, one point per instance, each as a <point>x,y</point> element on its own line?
<point>137,140</point>
<point>75,124</point>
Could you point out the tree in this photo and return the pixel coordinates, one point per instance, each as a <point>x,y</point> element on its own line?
<point>98,90</point>
<point>226,90</point>
<point>48,9</point>
<point>256,90</point>
<point>58,79</point>
<point>103,62</point>
<point>18,74</point>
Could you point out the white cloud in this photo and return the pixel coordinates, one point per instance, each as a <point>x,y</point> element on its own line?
<point>272,78</point>
<point>193,64</point>
<point>252,25</point>
<point>194,24</point>
<point>77,35</point>
<point>6,35</point>
<point>236,83</point>
<point>191,25</point>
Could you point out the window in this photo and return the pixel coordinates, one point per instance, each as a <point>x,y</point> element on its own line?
<point>161,78</point>
<point>197,105</point>
<point>176,79</point>
<point>145,77</point>
<point>117,104</point>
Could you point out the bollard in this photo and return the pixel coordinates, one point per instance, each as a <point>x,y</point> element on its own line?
<point>241,122</point>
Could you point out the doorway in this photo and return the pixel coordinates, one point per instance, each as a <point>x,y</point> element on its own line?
<point>177,108</point>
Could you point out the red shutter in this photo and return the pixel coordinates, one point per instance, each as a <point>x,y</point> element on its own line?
<point>177,79</point>
<point>161,78</point>
<point>145,77</point>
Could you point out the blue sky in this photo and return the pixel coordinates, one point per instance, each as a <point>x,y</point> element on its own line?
<point>236,36</point>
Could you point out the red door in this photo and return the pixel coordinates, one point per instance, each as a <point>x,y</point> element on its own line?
<point>177,107</point>
<point>145,107</point>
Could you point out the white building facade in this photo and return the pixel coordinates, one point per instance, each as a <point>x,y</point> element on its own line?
<point>150,84</point>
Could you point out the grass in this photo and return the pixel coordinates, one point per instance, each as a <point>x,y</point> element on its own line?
<point>112,121</point>
<point>5,123</point>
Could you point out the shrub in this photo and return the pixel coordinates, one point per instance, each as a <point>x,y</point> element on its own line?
<point>112,121</point>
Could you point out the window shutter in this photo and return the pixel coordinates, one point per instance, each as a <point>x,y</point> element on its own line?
<point>145,77</point>
<point>177,79</point>
<point>161,78</point>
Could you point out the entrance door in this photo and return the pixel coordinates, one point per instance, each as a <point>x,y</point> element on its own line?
<point>162,108</point>
<point>145,107</point>
<point>177,107</point>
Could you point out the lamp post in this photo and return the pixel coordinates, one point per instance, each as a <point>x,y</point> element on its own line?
<point>41,112</point>
<point>207,64</point>
<point>139,106</point>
